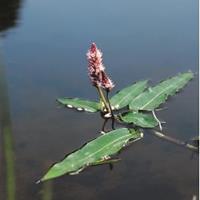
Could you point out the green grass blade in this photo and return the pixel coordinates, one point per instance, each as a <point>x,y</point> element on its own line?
<point>153,97</point>
<point>139,119</point>
<point>80,104</point>
<point>125,96</point>
<point>96,151</point>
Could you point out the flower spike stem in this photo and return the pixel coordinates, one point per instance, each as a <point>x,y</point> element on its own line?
<point>112,115</point>
<point>103,99</point>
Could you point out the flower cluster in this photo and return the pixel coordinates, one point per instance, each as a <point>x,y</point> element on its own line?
<point>96,69</point>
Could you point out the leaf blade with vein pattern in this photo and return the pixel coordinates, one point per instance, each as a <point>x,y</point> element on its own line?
<point>98,150</point>
<point>124,96</point>
<point>153,97</point>
<point>139,119</point>
<point>80,104</point>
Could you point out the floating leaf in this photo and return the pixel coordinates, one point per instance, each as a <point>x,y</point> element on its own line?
<point>139,119</point>
<point>94,152</point>
<point>153,97</point>
<point>125,96</point>
<point>80,104</point>
<point>109,161</point>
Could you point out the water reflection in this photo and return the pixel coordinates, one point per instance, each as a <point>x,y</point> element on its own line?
<point>9,14</point>
<point>140,40</point>
<point>7,138</point>
<point>47,191</point>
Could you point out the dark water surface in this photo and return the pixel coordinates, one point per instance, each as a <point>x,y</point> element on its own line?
<point>43,46</point>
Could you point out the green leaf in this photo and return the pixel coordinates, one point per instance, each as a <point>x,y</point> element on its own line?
<point>139,119</point>
<point>109,161</point>
<point>125,96</point>
<point>94,152</point>
<point>80,104</point>
<point>153,97</point>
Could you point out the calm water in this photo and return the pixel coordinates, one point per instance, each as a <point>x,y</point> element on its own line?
<point>43,46</point>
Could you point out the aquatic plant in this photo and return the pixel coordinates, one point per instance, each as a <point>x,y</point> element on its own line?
<point>133,108</point>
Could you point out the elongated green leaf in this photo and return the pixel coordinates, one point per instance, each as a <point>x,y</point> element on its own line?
<point>153,97</point>
<point>139,119</point>
<point>109,161</point>
<point>94,152</point>
<point>80,104</point>
<point>125,96</point>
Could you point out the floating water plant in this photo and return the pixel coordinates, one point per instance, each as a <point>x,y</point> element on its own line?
<point>133,108</point>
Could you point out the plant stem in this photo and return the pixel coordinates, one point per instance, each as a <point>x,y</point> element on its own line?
<point>155,117</point>
<point>174,140</point>
<point>103,99</point>
<point>166,137</point>
<point>113,117</point>
<point>104,124</point>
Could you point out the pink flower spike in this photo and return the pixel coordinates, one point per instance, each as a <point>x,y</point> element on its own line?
<point>96,69</point>
<point>94,56</point>
<point>107,82</point>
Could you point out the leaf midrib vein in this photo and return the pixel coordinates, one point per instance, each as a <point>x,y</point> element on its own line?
<point>104,147</point>
<point>129,94</point>
<point>181,79</point>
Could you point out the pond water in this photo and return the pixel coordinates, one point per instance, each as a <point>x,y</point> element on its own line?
<point>43,47</point>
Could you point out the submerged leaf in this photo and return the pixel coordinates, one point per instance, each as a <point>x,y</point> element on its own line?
<point>139,119</point>
<point>80,104</point>
<point>125,96</point>
<point>93,153</point>
<point>153,97</point>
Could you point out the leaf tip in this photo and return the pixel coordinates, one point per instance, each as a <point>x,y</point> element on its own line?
<point>59,100</point>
